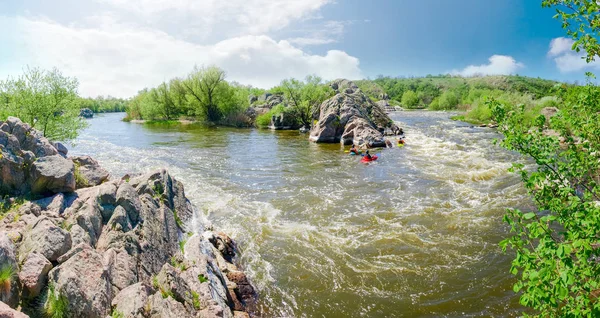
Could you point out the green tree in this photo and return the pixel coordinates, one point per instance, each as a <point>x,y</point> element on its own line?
<point>410,99</point>
<point>448,100</point>
<point>557,245</point>
<point>304,97</point>
<point>208,91</point>
<point>45,99</point>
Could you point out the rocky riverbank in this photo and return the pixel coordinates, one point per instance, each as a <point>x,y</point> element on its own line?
<point>86,245</point>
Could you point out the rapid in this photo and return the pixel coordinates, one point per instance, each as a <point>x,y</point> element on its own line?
<point>414,234</point>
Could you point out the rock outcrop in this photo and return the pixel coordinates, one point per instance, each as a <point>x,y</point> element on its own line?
<point>123,245</point>
<point>350,117</point>
<point>86,113</point>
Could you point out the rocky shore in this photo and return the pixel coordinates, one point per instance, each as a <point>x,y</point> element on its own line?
<point>76,243</point>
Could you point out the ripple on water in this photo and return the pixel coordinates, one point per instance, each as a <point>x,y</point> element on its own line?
<point>413,234</point>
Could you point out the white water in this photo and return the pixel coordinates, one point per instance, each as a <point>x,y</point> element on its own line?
<point>413,234</point>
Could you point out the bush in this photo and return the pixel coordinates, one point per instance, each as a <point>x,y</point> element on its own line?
<point>7,274</point>
<point>410,99</point>
<point>56,305</point>
<point>448,101</point>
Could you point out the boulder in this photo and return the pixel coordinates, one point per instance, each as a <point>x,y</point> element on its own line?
<point>549,112</point>
<point>263,97</point>
<point>46,239</point>
<point>7,312</point>
<point>252,99</point>
<point>86,113</point>
<point>34,272</point>
<point>89,172</point>
<point>52,174</point>
<point>82,280</point>
<point>9,290</point>
<point>165,307</point>
<point>62,150</point>
<point>131,301</point>
<point>350,117</point>
<point>274,100</point>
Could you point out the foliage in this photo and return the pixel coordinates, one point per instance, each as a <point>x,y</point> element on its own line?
<point>582,23</point>
<point>446,101</point>
<point>304,97</point>
<point>117,314</point>
<point>80,180</point>
<point>103,104</point>
<point>264,120</point>
<point>410,99</point>
<point>46,100</point>
<point>57,305</point>
<point>7,274</point>
<point>196,300</point>
<point>202,278</point>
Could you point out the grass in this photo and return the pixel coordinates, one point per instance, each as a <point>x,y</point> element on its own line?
<point>196,300</point>
<point>80,180</point>
<point>7,274</point>
<point>117,314</point>
<point>163,292</point>
<point>202,278</point>
<point>177,219</point>
<point>182,245</point>
<point>177,264</point>
<point>57,305</point>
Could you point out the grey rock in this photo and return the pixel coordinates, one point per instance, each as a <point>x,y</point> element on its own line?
<point>86,113</point>
<point>7,312</point>
<point>52,174</point>
<point>46,239</point>
<point>90,172</point>
<point>34,272</point>
<point>82,279</point>
<point>131,301</point>
<point>62,150</point>
<point>9,294</point>
<point>165,307</point>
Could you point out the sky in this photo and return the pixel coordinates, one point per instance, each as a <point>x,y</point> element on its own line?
<point>118,47</point>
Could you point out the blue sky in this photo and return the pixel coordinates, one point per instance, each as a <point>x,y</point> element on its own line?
<point>117,47</point>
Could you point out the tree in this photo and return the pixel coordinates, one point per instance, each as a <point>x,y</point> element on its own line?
<point>557,245</point>
<point>410,99</point>
<point>206,88</point>
<point>448,100</point>
<point>304,97</point>
<point>47,100</point>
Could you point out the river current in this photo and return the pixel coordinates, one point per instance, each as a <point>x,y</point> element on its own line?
<point>414,234</point>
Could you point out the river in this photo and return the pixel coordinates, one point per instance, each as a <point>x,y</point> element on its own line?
<point>414,234</point>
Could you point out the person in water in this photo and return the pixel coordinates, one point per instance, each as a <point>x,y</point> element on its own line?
<point>368,155</point>
<point>400,141</point>
<point>354,150</point>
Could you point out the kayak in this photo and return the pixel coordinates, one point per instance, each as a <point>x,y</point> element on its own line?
<point>352,153</point>
<point>365,159</point>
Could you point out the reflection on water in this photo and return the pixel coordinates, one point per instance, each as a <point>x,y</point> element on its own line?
<point>413,234</point>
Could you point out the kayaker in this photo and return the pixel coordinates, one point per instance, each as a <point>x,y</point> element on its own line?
<point>367,155</point>
<point>400,141</point>
<point>354,150</point>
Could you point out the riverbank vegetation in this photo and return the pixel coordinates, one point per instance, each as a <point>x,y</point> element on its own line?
<point>556,246</point>
<point>102,104</point>
<point>47,100</point>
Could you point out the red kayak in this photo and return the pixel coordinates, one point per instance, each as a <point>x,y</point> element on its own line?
<point>365,159</point>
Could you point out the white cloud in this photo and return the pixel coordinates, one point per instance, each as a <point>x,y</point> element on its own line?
<point>498,65</point>
<point>118,59</point>
<point>325,33</point>
<point>560,45</point>
<point>567,60</point>
<point>248,16</point>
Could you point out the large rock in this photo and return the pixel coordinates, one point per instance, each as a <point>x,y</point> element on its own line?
<point>131,301</point>
<point>7,312</point>
<point>86,113</point>
<point>350,117</point>
<point>34,272</point>
<point>9,292</point>
<point>20,147</point>
<point>46,239</point>
<point>52,174</point>
<point>165,307</point>
<point>89,172</point>
<point>82,280</point>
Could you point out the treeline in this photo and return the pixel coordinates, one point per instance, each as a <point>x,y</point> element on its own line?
<point>103,104</point>
<point>445,92</point>
<point>205,95</point>
<point>47,100</point>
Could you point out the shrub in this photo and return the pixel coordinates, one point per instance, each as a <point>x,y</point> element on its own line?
<point>57,305</point>
<point>7,274</point>
<point>410,99</point>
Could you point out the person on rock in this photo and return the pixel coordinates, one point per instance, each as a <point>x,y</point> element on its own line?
<point>354,150</point>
